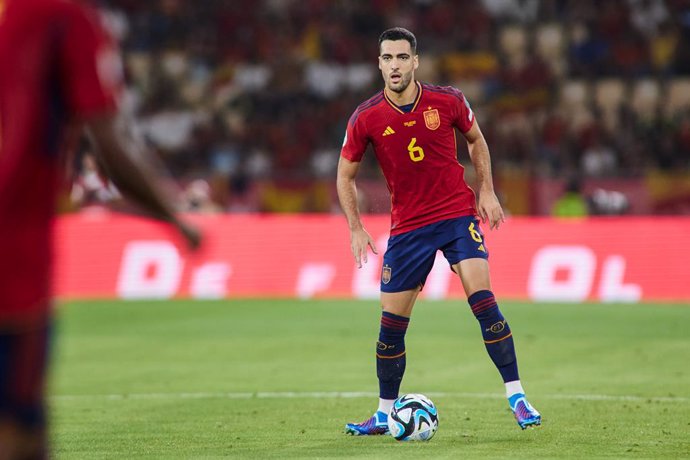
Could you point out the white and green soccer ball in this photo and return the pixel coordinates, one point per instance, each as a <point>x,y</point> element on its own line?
<point>413,417</point>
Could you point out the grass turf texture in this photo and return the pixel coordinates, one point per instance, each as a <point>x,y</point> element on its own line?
<point>260,379</point>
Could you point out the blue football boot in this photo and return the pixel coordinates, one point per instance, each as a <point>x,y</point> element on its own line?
<point>525,414</point>
<point>376,425</point>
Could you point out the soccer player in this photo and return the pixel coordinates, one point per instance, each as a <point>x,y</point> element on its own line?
<point>59,70</point>
<point>411,126</point>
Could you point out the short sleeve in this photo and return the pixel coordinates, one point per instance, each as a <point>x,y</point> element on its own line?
<point>355,141</point>
<point>464,118</point>
<point>90,66</point>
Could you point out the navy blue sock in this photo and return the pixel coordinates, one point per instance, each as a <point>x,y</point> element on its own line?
<point>390,354</point>
<point>498,338</point>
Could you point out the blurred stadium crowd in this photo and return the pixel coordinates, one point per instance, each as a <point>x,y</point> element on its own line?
<point>246,102</point>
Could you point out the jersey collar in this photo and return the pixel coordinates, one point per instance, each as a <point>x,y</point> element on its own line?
<point>416,101</point>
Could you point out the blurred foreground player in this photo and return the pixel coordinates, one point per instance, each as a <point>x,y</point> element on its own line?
<point>59,70</point>
<point>411,127</point>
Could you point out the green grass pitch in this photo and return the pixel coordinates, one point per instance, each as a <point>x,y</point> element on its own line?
<point>280,378</point>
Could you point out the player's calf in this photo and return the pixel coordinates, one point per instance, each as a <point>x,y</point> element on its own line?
<point>498,338</point>
<point>390,354</point>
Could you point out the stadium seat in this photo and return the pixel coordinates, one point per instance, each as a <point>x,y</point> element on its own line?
<point>609,93</point>
<point>574,95</point>
<point>645,97</point>
<point>513,42</point>
<point>574,101</point>
<point>678,96</point>
<point>549,46</point>
<point>608,96</point>
<point>472,89</point>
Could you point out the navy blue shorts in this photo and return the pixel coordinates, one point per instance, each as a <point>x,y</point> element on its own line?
<point>23,359</point>
<point>410,256</point>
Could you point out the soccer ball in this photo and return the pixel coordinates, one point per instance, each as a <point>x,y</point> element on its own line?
<point>413,417</point>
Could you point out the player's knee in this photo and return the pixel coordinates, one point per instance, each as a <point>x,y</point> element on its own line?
<point>391,341</point>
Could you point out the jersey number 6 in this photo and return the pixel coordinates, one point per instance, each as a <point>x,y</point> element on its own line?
<point>415,151</point>
<point>474,233</point>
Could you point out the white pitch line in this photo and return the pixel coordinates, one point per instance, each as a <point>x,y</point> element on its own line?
<point>356,394</point>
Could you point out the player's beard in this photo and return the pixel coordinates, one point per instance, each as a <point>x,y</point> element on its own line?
<point>405,80</point>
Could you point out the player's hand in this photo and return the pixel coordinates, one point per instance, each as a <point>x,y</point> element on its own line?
<point>359,240</point>
<point>490,210</point>
<point>190,233</point>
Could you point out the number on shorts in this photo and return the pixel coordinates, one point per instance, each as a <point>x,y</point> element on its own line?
<point>474,233</point>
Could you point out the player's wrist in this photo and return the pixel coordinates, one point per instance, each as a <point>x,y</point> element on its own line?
<point>356,227</point>
<point>486,188</point>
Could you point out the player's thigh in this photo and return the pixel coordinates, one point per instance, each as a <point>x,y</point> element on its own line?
<point>407,262</point>
<point>463,239</point>
<point>474,275</point>
<point>399,303</point>
<point>467,254</point>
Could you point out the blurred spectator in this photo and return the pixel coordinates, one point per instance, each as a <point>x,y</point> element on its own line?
<point>90,187</point>
<point>196,197</point>
<point>588,51</point>
<point>609,203</point>
<point>572,203</point>
<point>599,159</point>
<point>648,15</point>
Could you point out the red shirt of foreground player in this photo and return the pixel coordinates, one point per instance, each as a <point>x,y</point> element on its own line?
<point>57,65</point>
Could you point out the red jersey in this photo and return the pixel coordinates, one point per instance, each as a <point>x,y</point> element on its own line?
<point>58,64</point>
<point>417,153</point>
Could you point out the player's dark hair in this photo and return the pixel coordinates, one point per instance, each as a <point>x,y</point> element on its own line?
<point>399,33</point>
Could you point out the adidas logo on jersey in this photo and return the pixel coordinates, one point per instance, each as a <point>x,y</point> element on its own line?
<point>388,131</point>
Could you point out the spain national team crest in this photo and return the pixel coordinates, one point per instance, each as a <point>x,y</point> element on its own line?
<point>432,119</point>
<point>386,274</point>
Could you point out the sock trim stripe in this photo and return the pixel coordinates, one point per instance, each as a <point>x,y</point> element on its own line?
<point>481,303</point>
<point>390,357</point>
<point>498,340</point>
<point>393,316</point>
<point>395,320</point>
<point>393,324</point>
<point>480,295</point>
<point>484,308</point>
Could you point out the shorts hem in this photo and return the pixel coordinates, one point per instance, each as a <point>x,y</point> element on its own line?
<point>421,287</point>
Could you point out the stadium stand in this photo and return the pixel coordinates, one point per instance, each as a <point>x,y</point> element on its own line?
<point>250,95</point>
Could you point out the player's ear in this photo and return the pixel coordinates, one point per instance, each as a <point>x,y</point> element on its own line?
<point>416,61</point>
<point>380,63</point>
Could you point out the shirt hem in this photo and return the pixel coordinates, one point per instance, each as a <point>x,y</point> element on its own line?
<point>409,228</point>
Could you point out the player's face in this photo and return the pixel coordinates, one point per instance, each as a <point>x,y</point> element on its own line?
<point>397,64</point>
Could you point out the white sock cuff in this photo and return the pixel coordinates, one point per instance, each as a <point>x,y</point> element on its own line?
<point>385,405</point>
<point>513,387</point>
